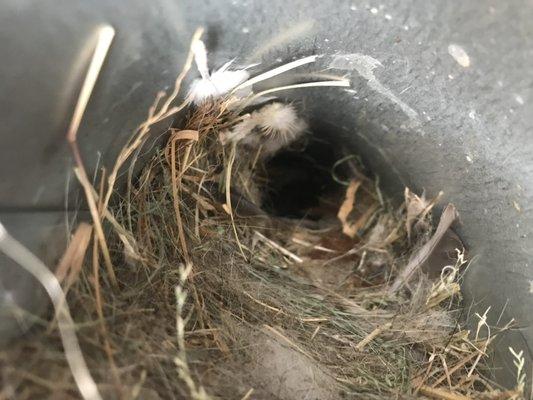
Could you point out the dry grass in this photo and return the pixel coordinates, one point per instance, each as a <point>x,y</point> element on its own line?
<point>212,304</point>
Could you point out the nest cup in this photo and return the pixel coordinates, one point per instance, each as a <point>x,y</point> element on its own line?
<point>397,151</point>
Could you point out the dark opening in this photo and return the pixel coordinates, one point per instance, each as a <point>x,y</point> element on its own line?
<point>299,180</point>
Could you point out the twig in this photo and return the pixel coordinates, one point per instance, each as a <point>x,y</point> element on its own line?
<point>72,260</point>
<point>446,370</point>
<point>420,380</point>
<point>176,185</point>
<point>447,218</point>
<point>45,383</point>
<point>519,362</point>
<point>110,218</point>
<point>287,340</point>
<point>228,196</point>
<point>314,333</point>
<point>442,394</point>
<point>22,256</point>
<point>73,257</point>
<point>277,310</point>
<point>279,248</point>
<point>154,116</point>
<point>482,351</point>
<point>98,230</point>
<point>311,245</point>
<point>98,300</point>
<point>465,360</point>
<point>346,208</point>
<point>105,37</point>
<point>196,392</point>
<point>372,335</point>
<point>505,395</point>
<point>248,394</point>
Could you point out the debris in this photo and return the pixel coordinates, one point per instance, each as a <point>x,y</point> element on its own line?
<point>346,209</point>
<point>447,218</point>
<point>459,54</point>
<point>372,335</point>
<point>276,246</point>
<point>74,256</point>
<point>417,208</point>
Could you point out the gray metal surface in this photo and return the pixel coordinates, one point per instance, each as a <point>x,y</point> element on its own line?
<point>428,115</point>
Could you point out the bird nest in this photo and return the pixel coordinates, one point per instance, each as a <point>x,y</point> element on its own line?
<point>240,264</point>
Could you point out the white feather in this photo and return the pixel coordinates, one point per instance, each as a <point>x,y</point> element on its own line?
<point>279,70</point>
<point>220,83</point>
<point>279,119</point>
<point>217,84</point>
<point>200,58</point>
<point>279,126</point>
<point>273,127</point>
